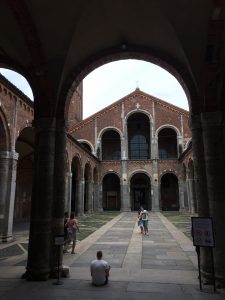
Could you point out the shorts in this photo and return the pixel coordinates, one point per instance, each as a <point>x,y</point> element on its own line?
<point>145,223</point>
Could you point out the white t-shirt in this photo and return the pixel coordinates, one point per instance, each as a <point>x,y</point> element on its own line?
<point>144,215</point>
<point>98,271</point>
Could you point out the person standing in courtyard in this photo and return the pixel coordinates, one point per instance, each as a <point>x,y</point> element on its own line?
<point>144,217</point>
<point>72,228</point>
<point>139,220</point>
<point>99,269</point>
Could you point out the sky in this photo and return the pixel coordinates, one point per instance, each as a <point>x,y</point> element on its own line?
<point>115,80</point>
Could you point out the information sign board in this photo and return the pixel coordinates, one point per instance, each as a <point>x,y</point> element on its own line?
<point>202,232</point>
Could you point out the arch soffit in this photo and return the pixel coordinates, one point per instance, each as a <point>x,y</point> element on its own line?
<point>138,110</point>
<point>76,157</point>
<point>170,64</point>
<point>87,142</point>
<point>110,173</point>
<point>103,130</point>
<point>138,172</point>
<point>165,126</point>
<point>170,172</point>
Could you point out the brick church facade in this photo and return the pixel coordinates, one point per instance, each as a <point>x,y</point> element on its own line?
<point>136,151</point>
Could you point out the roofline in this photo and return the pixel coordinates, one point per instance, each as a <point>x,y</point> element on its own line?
<point>100,112</point>
<point>16,90</point>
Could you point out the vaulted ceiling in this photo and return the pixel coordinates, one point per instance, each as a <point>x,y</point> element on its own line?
<point>61,37</point>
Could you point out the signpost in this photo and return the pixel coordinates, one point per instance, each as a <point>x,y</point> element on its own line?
<point>203,236</point>
<point>59,241</point>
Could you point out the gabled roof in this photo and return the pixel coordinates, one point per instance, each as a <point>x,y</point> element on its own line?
<point>135,93</point>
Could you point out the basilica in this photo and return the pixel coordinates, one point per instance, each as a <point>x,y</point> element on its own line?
<point>138,151</point>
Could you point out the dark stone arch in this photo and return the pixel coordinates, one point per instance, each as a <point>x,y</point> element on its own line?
<point>111,145</point>
<point>169,192</point>
<point>167,143</point>
<point>24,179</point>
<point>138,128</point>
<point>97,60</point>
<point>140,191</point>
<point>87,187</point>
<point>111,192</point>
<point>76,173</point>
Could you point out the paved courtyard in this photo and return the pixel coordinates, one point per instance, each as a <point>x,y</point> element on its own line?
<point>162,265</point>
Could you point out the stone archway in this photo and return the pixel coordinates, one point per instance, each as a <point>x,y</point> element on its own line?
<point>169,192</point>
<point>87,188</point>
<point>76,174</point>
<point>111,192</point>
<point>140,191</point>
<point>24,180</point>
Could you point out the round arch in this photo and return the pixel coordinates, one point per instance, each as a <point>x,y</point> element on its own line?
<point>88,205</point>
<point>169,192</point>
<point>165,126</point>
<point>140,190</point>
<point>76,175</point>
<point>88,145</point>
<point>123,52</point>
<point>24,179</point>
<point>139,136</point>
<point>4,133</point>
<point>111,192</point>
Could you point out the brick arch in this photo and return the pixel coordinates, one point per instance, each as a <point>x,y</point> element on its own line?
<point>170,64</point>
<point>88,143</point>
<point>138,171</point>
<point>165,126</point>
<point>110,172</point>
<point>103,130</point>
<point>134,111</point>
<point>4,133</point>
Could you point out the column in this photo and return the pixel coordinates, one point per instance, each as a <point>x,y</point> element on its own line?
<point>182,184</point>
<point>68,191</point>
<point>125,195</point>
<point>155,186</point>
<point>8,165</point>
<point>80,208</point>
<point>213,137</point>
<point>48,196</point>
<point>201,184</point>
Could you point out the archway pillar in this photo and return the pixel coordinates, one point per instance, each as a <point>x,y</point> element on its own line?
<point>191,194</point>
<point>125,195</point>
<point>214,137</point>
<point>80,198</point>
<point>8,166</point>
<point>201,184</point>
<point>68,191</point>
<point>155,186</point>
<point>182,184</point>
<point>48,197</point>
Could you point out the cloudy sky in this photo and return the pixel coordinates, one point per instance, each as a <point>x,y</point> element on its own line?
<point>113,81</point>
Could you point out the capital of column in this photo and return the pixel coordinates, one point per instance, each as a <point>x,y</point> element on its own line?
<point>212,119</point>
<point>9,155</point>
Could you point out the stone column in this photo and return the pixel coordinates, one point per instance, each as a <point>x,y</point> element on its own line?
<point>201,184</point>
<point>8,164</point>
<point>68,191</point>
<point>80,208</point>
<point>213,137</point>
<point>181,194</point>
<point>191,194</point>
<point>125,195</point>
<point>100,197</point>
<point>48,196</point>
<point>155,186</point>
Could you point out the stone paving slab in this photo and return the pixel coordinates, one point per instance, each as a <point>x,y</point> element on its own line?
<point>159,267</point>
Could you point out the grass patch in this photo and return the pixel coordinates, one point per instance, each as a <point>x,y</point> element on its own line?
<point>181,220</point>
<point>90,223</point>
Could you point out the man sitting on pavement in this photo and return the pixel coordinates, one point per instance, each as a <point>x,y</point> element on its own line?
<point>99,270</point>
